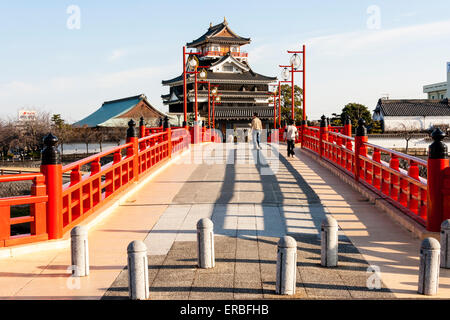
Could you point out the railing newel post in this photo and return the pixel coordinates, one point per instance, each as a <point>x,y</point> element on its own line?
<point>360,139</point>
<point>437,162</point>
<point>133,151</point>
<point>51,168</point>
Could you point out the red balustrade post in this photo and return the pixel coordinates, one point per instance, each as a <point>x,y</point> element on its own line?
<point>413,172</point>
<point>169,136</point>
<point>438,162</point>
<point>141,127</point>
<point>51,168</point>
<point>303,132</point>
<point>347,127</point>
<point>133,151</point>
<point>323,135</point>
<point>376,169</point>
<point>394,179</point>
<point>37,210</point>
<point>360,149</point>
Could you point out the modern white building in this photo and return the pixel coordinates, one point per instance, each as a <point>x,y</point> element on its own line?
<point>440,90</point>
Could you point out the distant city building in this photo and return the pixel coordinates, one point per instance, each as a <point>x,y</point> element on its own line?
<point>439,90</point>
<point>27,115</point>
<point>117,113</point>
<point>412,115</point>
<point>242,90</point>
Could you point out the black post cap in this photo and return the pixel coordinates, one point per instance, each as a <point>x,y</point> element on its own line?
<point>160,122</point>
<point>50,154</point>
<point>361,130</point>
<point>141,122</point>
<point>184,123</point>
<point>438,149</point>
<point>323,122</point>
<point>347,120</point>
<point>131,131</point>
<point>166,122</point>
<point>304,122</point>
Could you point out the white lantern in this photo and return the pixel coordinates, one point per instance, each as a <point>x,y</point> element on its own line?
<point>296,61</point>
<point>193,62</point>
<point>285,74</point>
<point>202,74</point>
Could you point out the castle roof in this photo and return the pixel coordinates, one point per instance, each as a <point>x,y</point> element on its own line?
<point>220,33</point>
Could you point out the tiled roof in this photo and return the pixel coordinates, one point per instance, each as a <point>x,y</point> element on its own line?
<point>213,30</point>
<point>242,112</point>
<point>413,107</point>
<point>112,109</point>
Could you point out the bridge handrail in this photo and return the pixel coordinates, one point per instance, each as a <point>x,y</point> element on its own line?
<point>55,207</point>
<point>406,187</point>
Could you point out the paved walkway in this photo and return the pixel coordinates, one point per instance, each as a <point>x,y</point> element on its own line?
<point>253,198</point>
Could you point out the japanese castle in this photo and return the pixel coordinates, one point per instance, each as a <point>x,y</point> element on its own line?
<point>242,91</point>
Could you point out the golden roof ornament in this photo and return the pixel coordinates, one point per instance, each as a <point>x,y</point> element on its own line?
<point>225,21</point>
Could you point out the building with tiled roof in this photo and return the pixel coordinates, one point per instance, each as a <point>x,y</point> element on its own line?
<point>117,113</point>
<point>242,90</point>
<point>412,114</point>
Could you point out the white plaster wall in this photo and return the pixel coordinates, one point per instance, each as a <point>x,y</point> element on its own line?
<point>413,123</point>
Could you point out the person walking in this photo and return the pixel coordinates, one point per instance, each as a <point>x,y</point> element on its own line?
<point>290,135</point>
<point>256,130</point>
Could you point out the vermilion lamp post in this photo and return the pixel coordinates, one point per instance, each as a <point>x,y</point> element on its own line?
<point>295,63</point>
<point>185,65</point>
<point>274,96</point>
<point>194,64</point>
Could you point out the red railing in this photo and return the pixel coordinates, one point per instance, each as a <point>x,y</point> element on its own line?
<point>55,208</point>
<point>379,169</point>
<point>36,218</point>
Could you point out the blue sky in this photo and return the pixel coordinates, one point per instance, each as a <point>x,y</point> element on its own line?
<point>125,48</point>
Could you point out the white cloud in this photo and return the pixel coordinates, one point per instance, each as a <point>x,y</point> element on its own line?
<point>117,54</point>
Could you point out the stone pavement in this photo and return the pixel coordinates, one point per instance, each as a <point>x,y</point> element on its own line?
<point>253,198</point>
<point>251,209</point>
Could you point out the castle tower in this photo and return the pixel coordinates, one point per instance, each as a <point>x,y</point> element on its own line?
<point>242,90</point>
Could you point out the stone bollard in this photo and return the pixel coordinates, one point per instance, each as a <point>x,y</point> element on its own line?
<point>205,243</point>
<point>286,266</point>
<point>138,271</point>
<point>429,266</point>
<point>329,242</point>
<point>80,251</point>
<point>445,245</point>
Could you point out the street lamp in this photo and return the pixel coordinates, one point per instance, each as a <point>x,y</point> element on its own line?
<point>191,64</point>
<point>295,63</point>
<point>285,74</point>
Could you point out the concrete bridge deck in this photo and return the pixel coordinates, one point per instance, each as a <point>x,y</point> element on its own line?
<point>253,197</point>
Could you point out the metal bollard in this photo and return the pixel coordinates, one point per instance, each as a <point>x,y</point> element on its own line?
<point>80,251</point>
<point>286,266</point>
<point>329,242</point>
<point>445,245</point>
<point>205,243</point>
<point>429,266</point>
<point>138,284</point>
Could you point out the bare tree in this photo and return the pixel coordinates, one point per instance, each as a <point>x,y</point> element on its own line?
<point>86,135</point>
<point>407,135</point>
